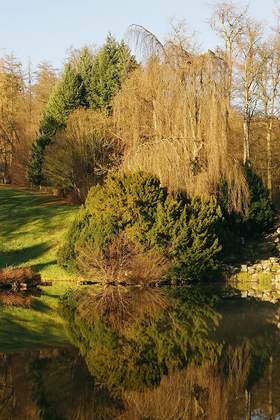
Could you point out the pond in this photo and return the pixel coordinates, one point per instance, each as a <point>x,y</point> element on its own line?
<point>140,353</point>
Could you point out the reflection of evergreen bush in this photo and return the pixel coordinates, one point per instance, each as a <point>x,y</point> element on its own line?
<point>141,351</point>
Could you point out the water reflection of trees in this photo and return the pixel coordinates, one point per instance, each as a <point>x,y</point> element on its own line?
<point>197,392</point>
<point>206,392</point>
<point>160,352</point>
<point>148,354</point>
<point>52,385</point>
<point>130,338</point>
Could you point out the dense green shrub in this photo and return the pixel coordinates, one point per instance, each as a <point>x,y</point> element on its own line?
<point>67,251</point>
<point>256,218</point>
<point>183,230</point>
<point>260,213</point>
<point>240,228</point>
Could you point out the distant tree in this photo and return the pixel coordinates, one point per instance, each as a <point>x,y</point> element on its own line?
<point>84,67</point>
<point>228,21</point>
<point>45,79</point>
<point>67,95</point>
<point>11,92</point>
<point>269,89</point>
<point>250,67</point>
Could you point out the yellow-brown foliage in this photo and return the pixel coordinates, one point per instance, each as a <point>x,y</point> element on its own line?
<point>83,152</point>
<point>197,392</point>
<point>174,121</point>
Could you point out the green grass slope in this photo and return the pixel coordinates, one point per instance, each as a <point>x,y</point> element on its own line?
<point>31,228</point>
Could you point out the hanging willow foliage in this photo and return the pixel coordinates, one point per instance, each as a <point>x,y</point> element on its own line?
<point>174,118</point>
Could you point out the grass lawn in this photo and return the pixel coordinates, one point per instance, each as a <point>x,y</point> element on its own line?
<point>31,229</point>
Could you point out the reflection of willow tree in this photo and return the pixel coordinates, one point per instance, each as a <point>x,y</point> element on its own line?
<point>132,338</point>
<point>196,392</point>
<point>52,385</point>
<point>219,389</point>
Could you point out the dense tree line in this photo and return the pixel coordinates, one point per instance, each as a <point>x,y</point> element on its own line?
<point>203,125</point>
<point>191,118</point>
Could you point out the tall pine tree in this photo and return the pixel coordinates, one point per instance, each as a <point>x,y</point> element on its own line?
<point>111,66</point>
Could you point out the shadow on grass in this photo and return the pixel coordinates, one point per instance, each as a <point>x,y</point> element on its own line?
<point>23,255</point>
<point>40,306</point>
<point>18,209</point>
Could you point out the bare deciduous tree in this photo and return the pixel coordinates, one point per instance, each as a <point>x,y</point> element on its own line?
<point>229,21</point>
<point>250,66</point>
<point>269,84</point>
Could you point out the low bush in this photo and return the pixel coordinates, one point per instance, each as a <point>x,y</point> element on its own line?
<point>22,300</point>
<point>183,231</point>
<point>122,261</point>
<point>14,277</point>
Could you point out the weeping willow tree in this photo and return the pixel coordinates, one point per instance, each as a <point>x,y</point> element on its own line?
<point>174,118</point>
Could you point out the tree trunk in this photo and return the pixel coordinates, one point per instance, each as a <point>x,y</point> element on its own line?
<point>270,394</point>
<point>269,157</point>
<point>247,405</point>
<point>246,140</point>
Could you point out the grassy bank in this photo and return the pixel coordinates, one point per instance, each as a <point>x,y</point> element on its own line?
<point>31,229</point>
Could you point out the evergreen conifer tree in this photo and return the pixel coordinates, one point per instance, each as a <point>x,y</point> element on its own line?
<point>111,66</point>
<point>68,94</point>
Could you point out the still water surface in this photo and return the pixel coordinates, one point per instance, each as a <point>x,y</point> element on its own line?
<point>151,354</point>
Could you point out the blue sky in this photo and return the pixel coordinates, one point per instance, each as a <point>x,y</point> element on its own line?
<point>45,29</point>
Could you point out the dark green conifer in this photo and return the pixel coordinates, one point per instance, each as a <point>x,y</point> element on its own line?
<point>111,66</point>
<point>68,94</point>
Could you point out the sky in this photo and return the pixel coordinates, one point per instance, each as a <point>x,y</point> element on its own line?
<point>44,30</point>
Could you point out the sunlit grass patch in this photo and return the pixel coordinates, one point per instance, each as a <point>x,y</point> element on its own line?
<point>32,227</point>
